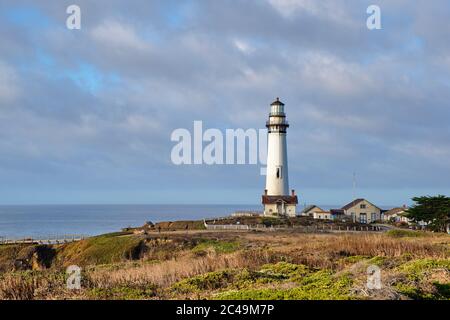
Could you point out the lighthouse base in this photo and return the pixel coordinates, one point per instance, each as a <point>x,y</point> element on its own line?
<point>280,206</point>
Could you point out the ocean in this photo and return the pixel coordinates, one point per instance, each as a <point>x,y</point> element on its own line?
<point>56,220</point>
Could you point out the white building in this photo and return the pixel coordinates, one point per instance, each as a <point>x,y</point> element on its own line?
<point>362,211</point>
<point>396,215</point>
<point>322,215</point>
<point>277,200</point>
<point>309,211</point>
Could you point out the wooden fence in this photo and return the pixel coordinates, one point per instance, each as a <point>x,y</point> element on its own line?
<point>314,228</point>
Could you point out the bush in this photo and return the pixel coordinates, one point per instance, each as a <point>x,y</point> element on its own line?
<point>417,269</point>
<point>124,293</point>
<point>216,246</point>
<point>320,285</point>
<point>395,233</point>
<point>418,280</point>
<point>208,281</point>
<point>285,269</point>
<point>101,250</point>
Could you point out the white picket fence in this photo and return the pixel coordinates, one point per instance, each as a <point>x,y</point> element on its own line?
<point>315,228</point>
<point>239,227</point>
<point>56,239</point>
<point>227,227</point>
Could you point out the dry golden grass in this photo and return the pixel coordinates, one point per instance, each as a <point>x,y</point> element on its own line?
<point>165,273</point>
<point>322,250</point>
<point>318,251</point>
<point>29,286</point>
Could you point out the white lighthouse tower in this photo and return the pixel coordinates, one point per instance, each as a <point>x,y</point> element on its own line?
<point>277,200</point>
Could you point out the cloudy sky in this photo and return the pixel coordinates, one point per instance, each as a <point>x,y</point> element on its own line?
<point>86,115</point>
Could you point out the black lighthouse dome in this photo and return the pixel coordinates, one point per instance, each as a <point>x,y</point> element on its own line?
<point>277,103</point>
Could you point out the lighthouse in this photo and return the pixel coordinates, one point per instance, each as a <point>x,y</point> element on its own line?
<point>277,200</point>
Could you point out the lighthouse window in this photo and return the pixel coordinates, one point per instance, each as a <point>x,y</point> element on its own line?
<point>279,173</point>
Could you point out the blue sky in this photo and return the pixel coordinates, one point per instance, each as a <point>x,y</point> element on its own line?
<point>86,115</point>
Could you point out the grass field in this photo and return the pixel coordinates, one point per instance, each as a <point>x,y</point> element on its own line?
<point>233,265</point>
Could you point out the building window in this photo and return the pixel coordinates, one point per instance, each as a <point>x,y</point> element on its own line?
<point>363,206</point>
<point>373,217</point>
<point>363,218</point>
<point>279,173</point>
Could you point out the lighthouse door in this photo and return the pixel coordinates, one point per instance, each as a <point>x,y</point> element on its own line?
<point>280,208</point>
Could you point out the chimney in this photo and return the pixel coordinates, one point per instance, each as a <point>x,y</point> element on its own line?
<point>293,192</point>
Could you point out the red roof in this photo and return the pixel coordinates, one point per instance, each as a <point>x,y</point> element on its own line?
<point>275,199</point>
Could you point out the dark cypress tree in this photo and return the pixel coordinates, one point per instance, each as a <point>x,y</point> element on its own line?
<point>434,210</point>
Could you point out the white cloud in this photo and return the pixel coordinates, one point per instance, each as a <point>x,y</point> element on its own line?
<point>288,7</point>
<point>427,150</point>
<point>328,72</point>
<point>333,10</point>
<point>140,123</point>
<point>352,121</point>
<point>119,36</point>
<point>243,46</point>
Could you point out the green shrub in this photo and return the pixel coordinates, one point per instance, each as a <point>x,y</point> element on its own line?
<point>378,260</point>
<point>415,270</point>
<point>415,285</point>
<point>208,281</point>
<point>248,278</point>
<point>123,293</point>
<point>354,259</point>
<point>397,233</point>
<point>285,270</point>
<point>414,291</point>
<point>443,290</point>
<point>320,285</point>
<point>105,249</point>
<point>217,246</point>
